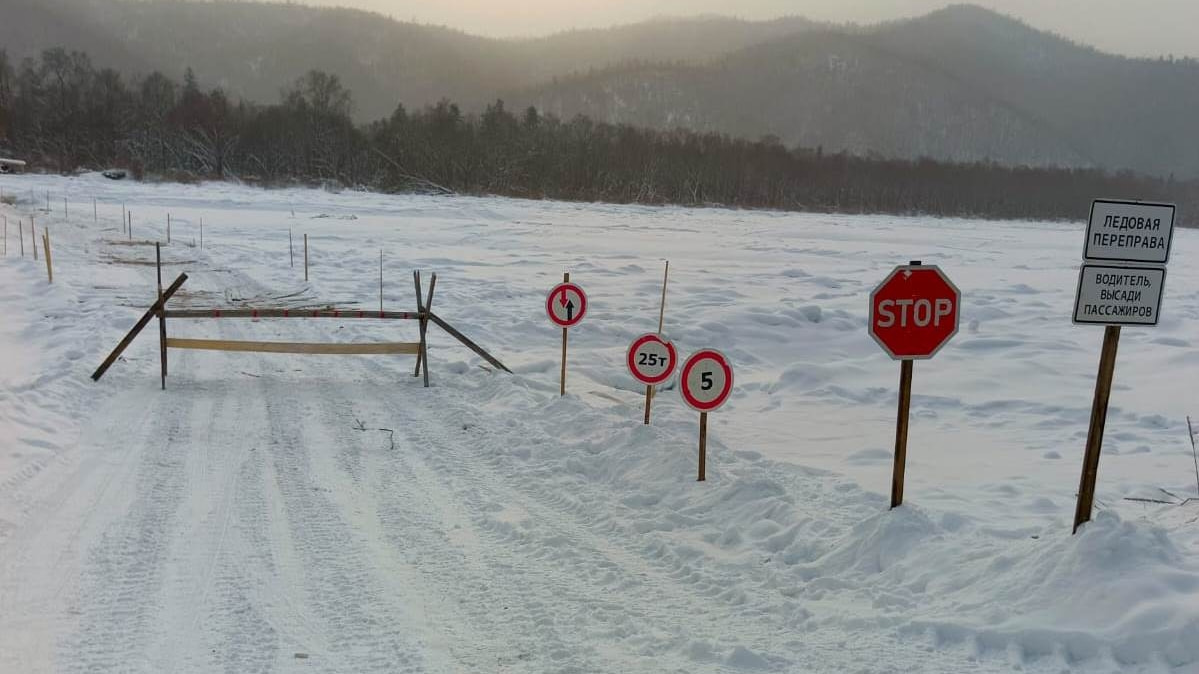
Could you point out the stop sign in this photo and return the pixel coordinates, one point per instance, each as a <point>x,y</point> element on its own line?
<point>914,311</point>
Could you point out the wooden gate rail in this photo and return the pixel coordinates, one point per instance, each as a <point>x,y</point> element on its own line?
<point>292,313</point>
<point>353,348</point>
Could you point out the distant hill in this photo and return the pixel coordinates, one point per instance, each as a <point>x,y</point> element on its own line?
<point>962,83</point>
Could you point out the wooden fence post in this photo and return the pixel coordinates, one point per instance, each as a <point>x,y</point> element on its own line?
<point>291,250</point>
<point>33,237</point>
<point>6,236</point>
<point>46,247</point>
<point>305,256</point>
<point>162,316</point>
<point>21,236</point>
<point>168,227</point>
<point>137,328</point>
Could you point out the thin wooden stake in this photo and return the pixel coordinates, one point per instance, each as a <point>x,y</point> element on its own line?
<point>305,256</point>
<point>703,446</point>
<point>1103,392</point>
<point>21,236</point>
<point>424,329</point>
<point>95,211</point>
<point>129,226</point>
<point>291,249</point>
<point>66,214</point>
<point>662,306</point>
<point>562,378</point>
<point>46,247</point>
<point>33,237</point>
<point>162,319</point>
<point>47,201</point>
<point>1194,452</point>
<point>122,217</point>
<point>201,233</point>
<point>6,236</point>
<point>901,432</point>
<point>649,397</point>
<point>380,280</point>
<point>168,227</point>
<point>653,390</point>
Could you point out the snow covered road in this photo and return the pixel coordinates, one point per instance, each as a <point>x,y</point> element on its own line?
<point>291,513</point>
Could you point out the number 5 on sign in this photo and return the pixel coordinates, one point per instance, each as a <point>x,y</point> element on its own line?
<point>705,383</point>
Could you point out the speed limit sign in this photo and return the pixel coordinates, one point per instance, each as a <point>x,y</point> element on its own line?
<point>706,380</point>
<point>651,359</point>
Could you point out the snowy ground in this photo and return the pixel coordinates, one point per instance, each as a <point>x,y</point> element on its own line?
<point>241,521</point>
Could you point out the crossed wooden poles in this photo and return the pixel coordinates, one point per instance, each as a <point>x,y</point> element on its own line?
<point>424,314</point>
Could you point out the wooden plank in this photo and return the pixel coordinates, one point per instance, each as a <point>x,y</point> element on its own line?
<point>465,341</point>
<point>1103,393</point>
<point>421,308</point>
<point>406,348</point>
<point>290,313</point>
<point>137,328</point>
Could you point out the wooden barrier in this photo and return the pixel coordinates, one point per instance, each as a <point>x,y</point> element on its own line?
<point>418,349</point>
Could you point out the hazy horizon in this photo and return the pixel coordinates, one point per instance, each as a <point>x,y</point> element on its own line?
<point>1165,27</point>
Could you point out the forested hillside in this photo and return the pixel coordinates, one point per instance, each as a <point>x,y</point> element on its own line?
<point>62,113</point>
<point>961,84</point>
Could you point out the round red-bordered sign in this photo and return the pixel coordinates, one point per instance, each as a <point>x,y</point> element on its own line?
<point>566,305</point>
<point>706,380</point>
<point>651,359</point>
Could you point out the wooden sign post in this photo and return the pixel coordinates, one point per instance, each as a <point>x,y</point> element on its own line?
<point>565,305</point>
<point>1120,283</point>
<point>705,382</point>
<point>913,313</point>
<point>305,256</point>
<point>291,250</point>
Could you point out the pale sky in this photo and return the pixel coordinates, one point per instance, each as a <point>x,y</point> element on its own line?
<point>1133,27</point>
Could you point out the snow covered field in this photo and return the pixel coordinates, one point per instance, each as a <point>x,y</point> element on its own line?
<point>242,521</point>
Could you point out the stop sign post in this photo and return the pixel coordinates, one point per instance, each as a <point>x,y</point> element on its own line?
<point>913,313</point>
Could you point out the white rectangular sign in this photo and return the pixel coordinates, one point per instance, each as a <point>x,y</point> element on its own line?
<point>1111,295</point>
<point>1129,231</point>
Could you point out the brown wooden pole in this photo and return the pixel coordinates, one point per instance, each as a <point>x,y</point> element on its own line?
<point>649,397</point>
<point>95,211</point>
<point>305,256</point>
<point>122,217</point>
<point>129,225</point>
<point>162,319</point>
<point>201,233</point>
<point>562,376</point>
<point>901,432</point>
<point>465,341</point>
<point>662,306</point>
<point>1103,392</point>
<point>380,280</point>
<point>66,213</point>
<point>703,447</point>
<point>33,237</point>
<point>424,329</point>
<point>46,249</point>
<point>6,236</point>
<point>420,310</point>
<point>291,249</point>
<point>137,328</point>
<point>168,227</point>
<point>21,236</point>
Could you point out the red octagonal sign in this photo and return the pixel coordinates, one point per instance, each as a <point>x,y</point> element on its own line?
<point>914,312</point>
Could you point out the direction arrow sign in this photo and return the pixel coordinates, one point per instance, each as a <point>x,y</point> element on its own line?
<point>1129,231</point>
<point>1110,295</point>
<point>706,380</point>
<point>914,312</point>
<point>566,305</point>
<point>651,359</point>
